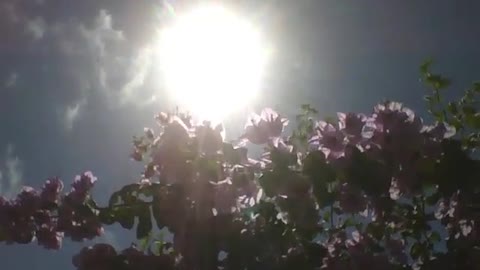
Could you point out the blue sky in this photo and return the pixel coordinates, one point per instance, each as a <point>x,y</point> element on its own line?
<point>77,79</point>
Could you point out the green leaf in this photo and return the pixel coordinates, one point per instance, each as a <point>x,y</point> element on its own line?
<point>3,235</point>
<point>273,181</point>
<point>157,216</point>
<point>144,242</point>
<point>327,216</point>
<point>349,222</point>
<point>375,230</point>
<point>434,237</point>
<point>114,199</point>
<point>433,199</point>
<point>283,158</point>
<point>452,108</point>
<point>158,247</point>
<point>144,226</point>
<point>468,110</point>
<point>129,193</point>
<point>473,120</point>
<point>125,216</point>
<point>316,167</point>
<point>429,99</point>
<point>158,244</point>
<point>416,250</point>
<point>437,81</point>
<point>106,216</point>
<point>438,116</point>
<point>425,66</point>
<point>308,109</point>
<point>476,87</point>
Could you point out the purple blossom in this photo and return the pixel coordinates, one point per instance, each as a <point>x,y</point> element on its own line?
<point>390,115</point>
<point>352,125</point>
<point>21,229</point>
<point>48,237</point>
<point>81,186</point>
<point>167,154</point>
<point>43,217</point>
<point>261,128</point>
<point>51,191</point>
<point>28,201</point>
<point>84,182</point>
<point>77,226</point>
<point>439,131</point>
<point>397,131</point>
<point>330,140</point>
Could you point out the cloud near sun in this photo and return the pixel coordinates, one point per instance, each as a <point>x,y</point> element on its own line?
<point>86,56</point>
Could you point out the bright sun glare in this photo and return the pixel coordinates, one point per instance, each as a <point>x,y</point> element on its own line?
<point>212,61</point>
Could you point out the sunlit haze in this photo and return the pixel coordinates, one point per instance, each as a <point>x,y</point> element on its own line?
<point>212,61</point>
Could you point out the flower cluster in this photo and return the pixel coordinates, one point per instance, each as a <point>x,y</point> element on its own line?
<point>47,215</point>
<point>380,190</point>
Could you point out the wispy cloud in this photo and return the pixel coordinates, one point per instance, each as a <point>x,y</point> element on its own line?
<point>71,114</point>
<point>137,74</point>
<point>11,80</point>
<point>104,61</point>
<point>97,58</point>
<point>36,27</point>
<point>11,172</point>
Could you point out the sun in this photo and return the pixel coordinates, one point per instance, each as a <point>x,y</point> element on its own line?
<point>212,61</point>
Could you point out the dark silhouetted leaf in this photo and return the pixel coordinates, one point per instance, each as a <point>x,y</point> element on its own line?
<point>144,226</point>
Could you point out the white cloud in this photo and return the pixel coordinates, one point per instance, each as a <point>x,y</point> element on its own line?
<point>11,172</point>
<point>97,60</point>
<point>103,61</point>
<point>36,27</point>
<point>71,113</point>
<point>137,74</point>
<point>102,33</point>
<point>11,80</point>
